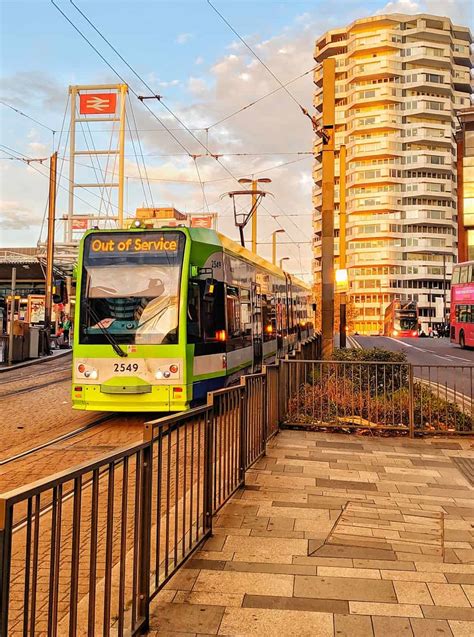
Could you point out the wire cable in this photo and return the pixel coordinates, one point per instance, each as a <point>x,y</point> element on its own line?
<point>147,86</point>
<point>28,116</point>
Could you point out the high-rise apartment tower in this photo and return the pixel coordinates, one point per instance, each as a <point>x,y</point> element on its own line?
<point>400,79</point>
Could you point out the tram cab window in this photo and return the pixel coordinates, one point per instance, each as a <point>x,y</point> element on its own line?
<point>194,313</point>
<point>212,311</point>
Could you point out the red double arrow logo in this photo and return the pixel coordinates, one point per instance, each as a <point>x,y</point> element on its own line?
<point>93,103</point>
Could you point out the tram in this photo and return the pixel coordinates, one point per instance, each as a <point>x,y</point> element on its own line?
<point>166,315</point>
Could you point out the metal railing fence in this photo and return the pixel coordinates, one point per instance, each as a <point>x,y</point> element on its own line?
<point>88,549</point>
<point>395,396</point>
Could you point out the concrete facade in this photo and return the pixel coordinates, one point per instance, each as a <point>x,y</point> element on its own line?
<point>400,80</point>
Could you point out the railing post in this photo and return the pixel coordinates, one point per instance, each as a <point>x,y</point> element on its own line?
<point>264,414</point>
<point>208,463</point>
<point>5,563</point>
<point>144,536</point>
<point>243,431</point>
<point>411,402</point>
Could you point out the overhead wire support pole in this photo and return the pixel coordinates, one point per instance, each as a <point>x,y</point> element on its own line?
<point>254,216</point>
<point>48,302</point>
<point>123,96</point>
<point>342,244</point>
<point>327,208</point>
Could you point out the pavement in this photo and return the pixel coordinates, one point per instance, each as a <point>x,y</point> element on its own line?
<point>55,353</point>
<point>354,537</point>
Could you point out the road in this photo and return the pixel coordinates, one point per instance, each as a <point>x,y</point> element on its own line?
<point>436,360</point>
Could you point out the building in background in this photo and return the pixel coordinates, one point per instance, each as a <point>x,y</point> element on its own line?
<point>400,79</point>
<point>465,166</point>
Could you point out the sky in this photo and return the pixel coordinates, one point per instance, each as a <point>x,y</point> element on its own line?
<point>185,52</point>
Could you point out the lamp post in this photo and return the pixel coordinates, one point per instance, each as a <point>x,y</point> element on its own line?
<point>254,182</point>
<point>274,245</point>
<point>283,259</point>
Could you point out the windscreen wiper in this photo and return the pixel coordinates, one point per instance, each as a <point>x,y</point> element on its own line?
<point>116,347</point>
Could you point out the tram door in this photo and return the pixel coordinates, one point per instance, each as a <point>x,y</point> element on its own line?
<point>257,327</point>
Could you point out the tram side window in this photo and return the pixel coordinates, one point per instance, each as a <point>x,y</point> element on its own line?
<point>233,312</point>
<point>269,317</point>
<point>246,315</point>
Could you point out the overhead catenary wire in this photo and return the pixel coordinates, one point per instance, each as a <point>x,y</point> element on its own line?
<point>141,152</point>
<point>17,110</point>
<point>305,112</point>
<point>146,85</point>
<point>46,175</point>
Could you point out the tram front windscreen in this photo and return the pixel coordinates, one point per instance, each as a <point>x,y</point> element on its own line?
<point>130,287</point>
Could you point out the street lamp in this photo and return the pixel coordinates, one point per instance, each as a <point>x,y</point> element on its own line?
<point>274,245</point>
<point>283,259</point>
<point>254,182</point>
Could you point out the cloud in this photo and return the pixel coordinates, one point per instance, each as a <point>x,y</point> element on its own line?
<point>183,38</point>
<point>16,216</point>
<point>199,60</point>
<point>460,11</point>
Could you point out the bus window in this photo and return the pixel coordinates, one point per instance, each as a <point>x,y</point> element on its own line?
<point>455,277</point>
<point>463,278</point>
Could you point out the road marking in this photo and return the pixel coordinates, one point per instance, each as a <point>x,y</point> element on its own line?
<point>407,344</point>
<point>468,360</point>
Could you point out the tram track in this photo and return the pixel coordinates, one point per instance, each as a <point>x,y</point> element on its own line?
<point>30,388</point>
<point>58,439</point>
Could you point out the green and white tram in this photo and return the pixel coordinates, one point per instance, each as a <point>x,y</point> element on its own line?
<point>166,315</point>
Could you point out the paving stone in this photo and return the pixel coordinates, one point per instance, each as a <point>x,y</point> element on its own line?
<point>187,618</point>
<point>461,628</point>
<point>352,626</point>
<point>430,627</point>
<point>259,567</point>
<point>296,603</point>
<point>399,626</point>
<point>448,612</point>
<point>335,571</point>
<point>460,578</point>
<point>413,576</point>
<point>386,610</point>
<point>256,622</point>
<point>385,564</point>
<point>209,599</point>
<point>448,595</point>
<point>412,592</point>
<point>344,588</point>
<point>345,484</point>
<point>332,550</point>
<point>241,582</point>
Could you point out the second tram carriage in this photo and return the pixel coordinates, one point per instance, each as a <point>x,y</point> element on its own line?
<point>166,315</point>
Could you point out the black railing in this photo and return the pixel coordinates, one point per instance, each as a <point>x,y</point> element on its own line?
<point>88,549</point>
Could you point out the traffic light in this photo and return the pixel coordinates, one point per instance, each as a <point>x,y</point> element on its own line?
<point>59,291</point>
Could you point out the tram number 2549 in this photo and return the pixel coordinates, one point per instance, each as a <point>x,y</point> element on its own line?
<point>122,367</point>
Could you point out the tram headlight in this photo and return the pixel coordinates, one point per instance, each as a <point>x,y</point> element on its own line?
<point>159,375</point>
<point>174,369</point>
<point>166,374</point>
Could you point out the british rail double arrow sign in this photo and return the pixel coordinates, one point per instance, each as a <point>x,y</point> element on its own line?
<point>93,103</point>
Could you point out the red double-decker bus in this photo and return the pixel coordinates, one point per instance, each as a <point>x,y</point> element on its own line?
<point>401,319</point>
<point>462,305</point>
